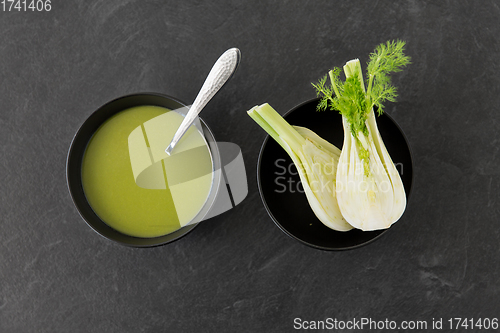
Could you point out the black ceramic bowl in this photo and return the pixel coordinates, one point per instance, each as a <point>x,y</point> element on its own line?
<point>279,183</point>
<point>77,150</point>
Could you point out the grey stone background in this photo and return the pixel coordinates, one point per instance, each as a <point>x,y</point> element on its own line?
<point>238,272</point>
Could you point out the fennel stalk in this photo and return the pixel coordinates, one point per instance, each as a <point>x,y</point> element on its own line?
<point>316,161</point>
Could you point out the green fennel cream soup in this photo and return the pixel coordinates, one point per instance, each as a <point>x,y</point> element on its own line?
<point>133,185</point>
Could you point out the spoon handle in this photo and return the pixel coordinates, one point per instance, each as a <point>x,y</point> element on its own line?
<point>222,70</point>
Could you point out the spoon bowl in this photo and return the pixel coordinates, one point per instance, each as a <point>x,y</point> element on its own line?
<point>76,155</point>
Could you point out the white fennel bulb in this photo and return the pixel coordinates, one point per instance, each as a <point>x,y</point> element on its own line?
<point>370,192</point>
<point>316,161</point>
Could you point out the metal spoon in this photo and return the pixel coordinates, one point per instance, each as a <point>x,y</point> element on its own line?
<point>220,73</point>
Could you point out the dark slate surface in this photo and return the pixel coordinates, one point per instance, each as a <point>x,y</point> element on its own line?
<point>239,272</point>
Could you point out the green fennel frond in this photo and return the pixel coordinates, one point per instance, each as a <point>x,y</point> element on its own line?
<point>352,105</point>
<point>350,98</point>
<point>325,92</point>
<point>387,58</point>
<point>335,80</point>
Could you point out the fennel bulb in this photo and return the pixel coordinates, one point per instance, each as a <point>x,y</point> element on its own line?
<point>316,161</point>
<point>370,192</point>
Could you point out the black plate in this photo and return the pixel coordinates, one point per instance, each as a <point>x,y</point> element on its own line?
<point>283,196</point>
